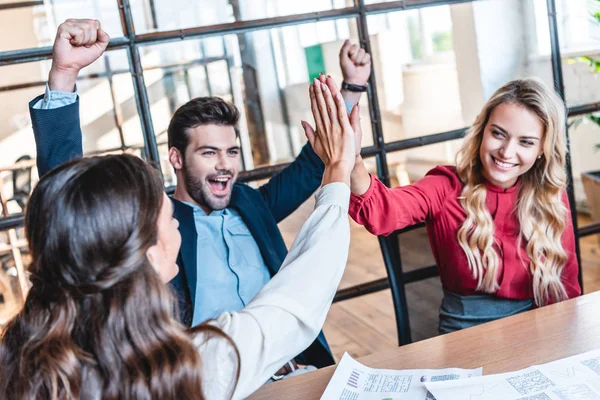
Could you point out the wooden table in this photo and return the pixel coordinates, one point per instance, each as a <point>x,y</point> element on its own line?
<point>539,336</point>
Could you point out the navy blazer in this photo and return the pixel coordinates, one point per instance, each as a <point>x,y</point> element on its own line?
<point>58,139</point>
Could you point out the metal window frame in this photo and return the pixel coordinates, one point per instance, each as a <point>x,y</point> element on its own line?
<point>390,246</point>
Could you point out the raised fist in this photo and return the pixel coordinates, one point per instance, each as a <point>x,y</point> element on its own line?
<point>78,43</point>
<point>355,64</point>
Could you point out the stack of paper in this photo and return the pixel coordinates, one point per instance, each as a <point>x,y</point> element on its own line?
<point>354,381</point>
<point>573,378</point>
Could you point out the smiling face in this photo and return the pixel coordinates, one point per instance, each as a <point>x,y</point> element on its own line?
<point>511,144</point>
<point>210,166</point>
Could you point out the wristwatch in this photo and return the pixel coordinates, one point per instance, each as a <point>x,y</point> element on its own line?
<point>351,87</point>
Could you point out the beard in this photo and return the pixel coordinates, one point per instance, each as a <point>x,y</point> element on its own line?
<point>199,189</point>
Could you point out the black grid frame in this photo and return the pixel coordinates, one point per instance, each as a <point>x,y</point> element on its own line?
<point>390,245</point>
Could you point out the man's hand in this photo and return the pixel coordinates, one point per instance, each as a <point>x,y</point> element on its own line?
<point>355,64</point>
<point>78,43</point>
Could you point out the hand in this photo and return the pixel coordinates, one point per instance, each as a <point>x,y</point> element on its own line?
<point>334,139</point>
<point>354,114</point>
<point>78,43</point>
<point>355,64</point>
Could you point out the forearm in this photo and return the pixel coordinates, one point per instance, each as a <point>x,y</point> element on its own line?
<point>62,80</point>
<point>360,180</point>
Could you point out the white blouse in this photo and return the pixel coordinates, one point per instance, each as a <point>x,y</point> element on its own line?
<point>287,314</point>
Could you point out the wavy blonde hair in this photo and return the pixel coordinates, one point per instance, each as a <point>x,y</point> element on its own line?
<point>541,213</point>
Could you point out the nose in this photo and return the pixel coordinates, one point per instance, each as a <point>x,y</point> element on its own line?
<point>508,150</point>
<point>223,163</point>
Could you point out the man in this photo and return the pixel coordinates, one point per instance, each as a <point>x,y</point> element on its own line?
<point>231,245</point>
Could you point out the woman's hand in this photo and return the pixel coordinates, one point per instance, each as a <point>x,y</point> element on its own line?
<point>334,140</point>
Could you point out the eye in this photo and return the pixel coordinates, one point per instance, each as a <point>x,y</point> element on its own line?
<point>497,134</point>
<point>208,153</point>
<point>234,152</point>
<point>527,143</point>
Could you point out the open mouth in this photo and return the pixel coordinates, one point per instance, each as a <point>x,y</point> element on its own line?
<point>220,185</point>
<point>502,164</point>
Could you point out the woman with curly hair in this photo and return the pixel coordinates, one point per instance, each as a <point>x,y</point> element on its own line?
<point>498,222</point>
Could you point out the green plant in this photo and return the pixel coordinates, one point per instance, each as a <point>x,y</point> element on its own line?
<point>595,118</point>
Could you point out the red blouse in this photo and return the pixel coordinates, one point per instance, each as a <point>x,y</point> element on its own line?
<point>434,199</point>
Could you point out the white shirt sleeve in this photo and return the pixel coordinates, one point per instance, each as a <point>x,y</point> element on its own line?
<point>289,311</point>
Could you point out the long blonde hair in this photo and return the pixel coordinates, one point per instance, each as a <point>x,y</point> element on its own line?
<point>541,213</point>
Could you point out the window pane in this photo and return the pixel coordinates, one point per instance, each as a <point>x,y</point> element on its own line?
<point>584,135</point>
<point>98,113</point>
<point>437,66</point>
<point>163,15</point>
<point>264,73</point>
<point>35,26</point>
<point>579,34</point>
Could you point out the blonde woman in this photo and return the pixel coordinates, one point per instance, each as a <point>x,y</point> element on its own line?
<point>499,221</point>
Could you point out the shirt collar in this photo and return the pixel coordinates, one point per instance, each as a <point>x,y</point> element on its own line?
<point>497,189</point>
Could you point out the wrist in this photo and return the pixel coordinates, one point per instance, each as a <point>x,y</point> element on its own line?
<point>352,87</point>
<point>337,172</point>
<point>62,79</point>
<point>341,165</point>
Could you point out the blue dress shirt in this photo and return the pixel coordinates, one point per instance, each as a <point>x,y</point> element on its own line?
<point>229,264</point>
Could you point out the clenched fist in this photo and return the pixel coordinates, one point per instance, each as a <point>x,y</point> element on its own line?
<point>78,43</point>
<point>355,63</point>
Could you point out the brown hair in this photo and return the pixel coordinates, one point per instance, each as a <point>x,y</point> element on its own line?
<point>98,321</point>
<point>197,112</point>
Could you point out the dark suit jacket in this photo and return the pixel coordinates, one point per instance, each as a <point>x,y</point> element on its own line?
<point>58,139</point>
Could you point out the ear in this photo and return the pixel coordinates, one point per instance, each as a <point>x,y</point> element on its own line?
<point>153,256</point>
<point>176,158</point>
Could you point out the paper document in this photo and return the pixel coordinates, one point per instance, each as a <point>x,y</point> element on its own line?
<point>354,381</point>
<point>573,378</point>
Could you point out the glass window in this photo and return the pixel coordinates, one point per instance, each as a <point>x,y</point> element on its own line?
<point>584,136</point>
<point>579,38</point>
<point>264,73</point>
<point>108,111</point>
<point>35,26</point>
<point>437,66</point>
<point>162,15</point>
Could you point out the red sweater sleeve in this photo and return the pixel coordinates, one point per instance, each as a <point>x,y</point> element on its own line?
<point>383,210</point>
<point>571,269</point>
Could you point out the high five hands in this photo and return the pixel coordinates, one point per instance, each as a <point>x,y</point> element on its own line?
<point>336,139</point>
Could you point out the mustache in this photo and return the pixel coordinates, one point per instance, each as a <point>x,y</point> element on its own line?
<point>220,174</point>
